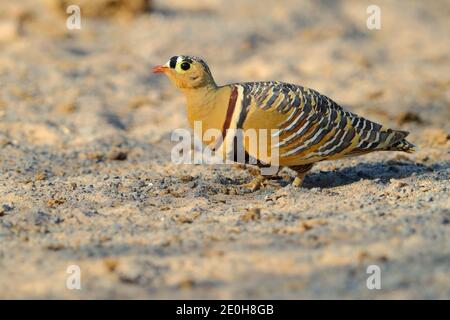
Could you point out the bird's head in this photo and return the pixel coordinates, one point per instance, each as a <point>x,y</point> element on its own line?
<point>187,72</point>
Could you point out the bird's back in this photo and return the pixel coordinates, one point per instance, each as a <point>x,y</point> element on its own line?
<point>311,127</point>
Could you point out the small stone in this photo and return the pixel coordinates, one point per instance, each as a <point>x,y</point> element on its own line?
<point>397,184</point>
<point>138,102</point>
<point>55,202</point>
<point>99,156</point>
<point>186,284</point>
<point>252,214</point>
<point>40,176</point>
<point>375,95</point>
<point>192,184</point>
<point>67,107</point>
<point>185,218</point>
<point>7,207</point>
<point>409,116</point>
<point>55,246</point>
<point>186,178</point>
<point>111,263</point>
<point>119,155</point>
<point>90,213</point>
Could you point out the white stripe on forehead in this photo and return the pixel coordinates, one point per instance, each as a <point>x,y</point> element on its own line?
<point>190,59</point>
<point>179,59</point>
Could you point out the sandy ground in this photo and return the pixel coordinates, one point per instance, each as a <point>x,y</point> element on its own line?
<point>86,177</point>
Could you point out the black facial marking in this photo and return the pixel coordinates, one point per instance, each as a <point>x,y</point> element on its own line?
<point>173,62</point>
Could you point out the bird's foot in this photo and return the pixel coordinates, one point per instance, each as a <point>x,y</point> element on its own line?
<point>297,182</point>
<point>302,171</point>
<point>254,185</point>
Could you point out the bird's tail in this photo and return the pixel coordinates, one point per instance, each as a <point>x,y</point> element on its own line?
<point>401,144</point>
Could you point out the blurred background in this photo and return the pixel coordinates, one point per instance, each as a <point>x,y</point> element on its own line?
<point>85,146</point>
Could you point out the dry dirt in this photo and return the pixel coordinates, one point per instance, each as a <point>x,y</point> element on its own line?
<point>86,177</point>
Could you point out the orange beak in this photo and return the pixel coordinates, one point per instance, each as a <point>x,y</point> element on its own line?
<point>159,69</point>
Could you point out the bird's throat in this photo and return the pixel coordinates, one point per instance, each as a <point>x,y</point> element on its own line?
<point>210,106</point>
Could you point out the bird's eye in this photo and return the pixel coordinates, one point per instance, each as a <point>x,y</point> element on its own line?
<point>185,66</point>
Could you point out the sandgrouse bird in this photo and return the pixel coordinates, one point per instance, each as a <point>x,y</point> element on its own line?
<point>309,126</point>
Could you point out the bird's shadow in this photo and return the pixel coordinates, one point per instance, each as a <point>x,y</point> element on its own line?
<point>380,171</point>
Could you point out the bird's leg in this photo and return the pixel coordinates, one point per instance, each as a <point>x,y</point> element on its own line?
<point>301,173</point>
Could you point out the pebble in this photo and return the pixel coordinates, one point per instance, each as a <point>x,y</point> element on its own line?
<point>252,214</point>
